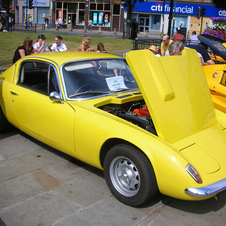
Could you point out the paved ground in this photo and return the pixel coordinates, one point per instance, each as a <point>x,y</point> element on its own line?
<point>93,33</point>
<point>41,186</point>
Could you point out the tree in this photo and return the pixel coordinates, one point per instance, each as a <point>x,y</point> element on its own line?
<point>130,7</point>
<point>220,4</point>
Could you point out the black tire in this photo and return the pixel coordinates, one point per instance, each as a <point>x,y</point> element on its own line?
<point>129,175</point>
<point>5,126</point>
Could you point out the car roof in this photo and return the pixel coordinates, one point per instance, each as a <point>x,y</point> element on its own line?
<point>69,56</point>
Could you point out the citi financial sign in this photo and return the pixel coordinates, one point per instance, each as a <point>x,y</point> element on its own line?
<point>181,10</point>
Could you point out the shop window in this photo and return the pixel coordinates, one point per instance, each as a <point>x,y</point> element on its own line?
<point>59,5</point>
<point>81,17</point>
<point>92,6</point>
<point>71,7</point>
<point>107,7</point>
<point>100,6</point>
<point>65,5</point>
<point>64,16</point>
<point>81,5</point>
<point>116,9</point>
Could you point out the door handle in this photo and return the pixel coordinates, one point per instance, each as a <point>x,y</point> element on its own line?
<point>14,93</point>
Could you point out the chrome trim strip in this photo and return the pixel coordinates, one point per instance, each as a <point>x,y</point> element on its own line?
<point>207,191</point>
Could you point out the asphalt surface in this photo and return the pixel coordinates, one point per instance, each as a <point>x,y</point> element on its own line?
<point>41,186</point>
<point>93,33</point>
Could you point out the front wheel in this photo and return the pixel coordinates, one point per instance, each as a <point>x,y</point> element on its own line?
<point>129,175</point>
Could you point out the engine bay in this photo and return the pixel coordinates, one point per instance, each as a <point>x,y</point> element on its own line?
<point>135,112</point>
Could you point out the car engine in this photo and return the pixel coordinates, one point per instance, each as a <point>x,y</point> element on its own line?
<point>135,112</point>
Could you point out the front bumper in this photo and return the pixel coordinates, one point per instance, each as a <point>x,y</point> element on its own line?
<point>207,191</point>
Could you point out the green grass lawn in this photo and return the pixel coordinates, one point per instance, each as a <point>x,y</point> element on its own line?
<point>10,41</point>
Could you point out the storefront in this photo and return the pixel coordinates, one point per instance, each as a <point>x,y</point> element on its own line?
<point>100,12</point>
<point>75,13</point>
<point>153,16</point>
<point>38,13</point>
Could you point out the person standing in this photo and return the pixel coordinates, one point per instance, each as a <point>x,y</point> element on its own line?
<point>165,44</point>
<point>40,46</point>
<point>46,21</point>
<point>134,29</point>
<point>23,50</point>
<point>90,22</point>
<point>58,46</point>
<point>154,50</point>
<point>60,23</point>
<point>29,21</point>
<point>176,48</point>
<point>193,40</point>
<point>178,36</point>
<point>50,22</point>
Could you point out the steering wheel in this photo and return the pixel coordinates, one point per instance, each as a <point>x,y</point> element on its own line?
<point>85,87</point>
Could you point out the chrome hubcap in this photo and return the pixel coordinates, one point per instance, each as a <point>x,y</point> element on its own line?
<point>125,176</point>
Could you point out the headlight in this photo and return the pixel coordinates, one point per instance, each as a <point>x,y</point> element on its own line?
<point>195,175</point>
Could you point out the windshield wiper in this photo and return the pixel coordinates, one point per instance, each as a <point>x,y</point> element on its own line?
<point>87,92</point>
<point>125,89</point>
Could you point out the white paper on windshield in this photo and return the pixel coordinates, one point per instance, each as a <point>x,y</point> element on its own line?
<point>116,83</point>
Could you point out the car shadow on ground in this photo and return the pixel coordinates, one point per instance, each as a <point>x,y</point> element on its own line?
<point>196,207</point>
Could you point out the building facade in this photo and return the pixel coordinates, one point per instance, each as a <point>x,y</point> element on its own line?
<point>152,16</point>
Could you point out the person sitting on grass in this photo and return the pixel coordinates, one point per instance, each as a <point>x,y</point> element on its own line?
<point>23,50</point>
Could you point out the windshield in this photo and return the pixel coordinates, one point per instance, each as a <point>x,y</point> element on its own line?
<point>97,77</point>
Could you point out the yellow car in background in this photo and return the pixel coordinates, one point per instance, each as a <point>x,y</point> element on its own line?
<point>148,122</point>
<point>216,74</point>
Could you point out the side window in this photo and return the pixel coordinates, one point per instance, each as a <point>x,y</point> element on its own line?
<point>38,76</point>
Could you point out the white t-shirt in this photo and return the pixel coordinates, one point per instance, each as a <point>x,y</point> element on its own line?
<point>194,40</point>
<point>62,47</point>
<point>37,46</point>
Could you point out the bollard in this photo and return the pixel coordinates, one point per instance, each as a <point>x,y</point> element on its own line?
<point>85,29</point>
<point>100,31</point>
<point>43,26</point>
<point>115,31</point>
<point>57,27</point>
<point>71,28</point>
<point>146,33</point>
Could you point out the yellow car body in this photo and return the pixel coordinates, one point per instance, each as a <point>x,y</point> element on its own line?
<point>216,78</point>
<point>216,74</point>
<point>180,149</point>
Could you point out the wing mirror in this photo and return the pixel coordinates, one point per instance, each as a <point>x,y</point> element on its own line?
<point>55,97</point>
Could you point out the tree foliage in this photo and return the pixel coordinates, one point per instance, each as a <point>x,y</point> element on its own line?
<point>221,4</point>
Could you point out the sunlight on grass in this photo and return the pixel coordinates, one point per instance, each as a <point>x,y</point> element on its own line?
<point>11,40</point>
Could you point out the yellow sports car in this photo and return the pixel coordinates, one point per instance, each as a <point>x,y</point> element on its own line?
<point>216,74</point>
<point>148,122</point>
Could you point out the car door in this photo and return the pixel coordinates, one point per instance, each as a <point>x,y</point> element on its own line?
<point>47,120</point>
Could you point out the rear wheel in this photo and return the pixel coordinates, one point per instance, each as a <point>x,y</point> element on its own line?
<point>129,175</point>
<point>4,124</point>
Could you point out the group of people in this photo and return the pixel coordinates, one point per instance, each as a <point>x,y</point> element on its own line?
<point>27,47</point>
<point>169,47</point>
<point>175,45</point>
<point>84,46</point>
